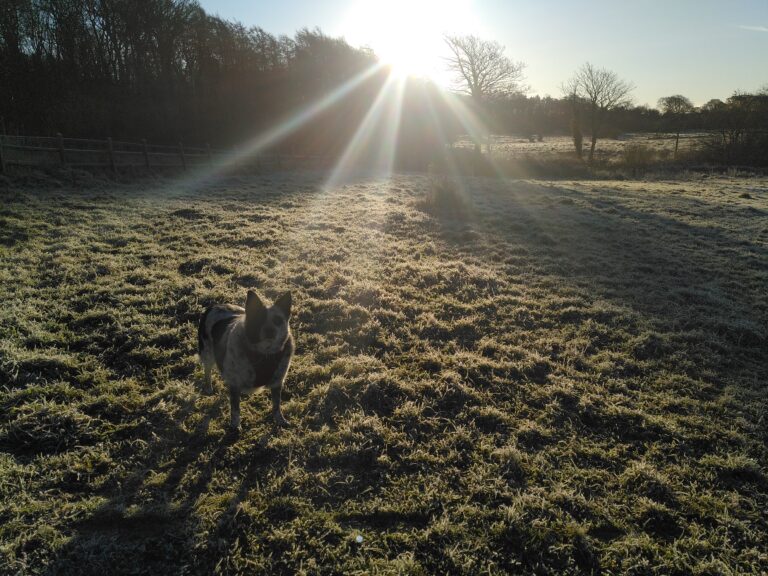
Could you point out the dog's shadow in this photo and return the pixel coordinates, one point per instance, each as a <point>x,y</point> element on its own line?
<point>153,506</point>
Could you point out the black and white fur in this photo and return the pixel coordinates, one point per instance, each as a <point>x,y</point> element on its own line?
<point>252,347</point>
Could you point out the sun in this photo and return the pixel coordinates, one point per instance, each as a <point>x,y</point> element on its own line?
<point>407,35</point>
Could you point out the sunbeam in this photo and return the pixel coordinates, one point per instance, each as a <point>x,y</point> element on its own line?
<point>446,156</point>
<point>389,96</point>
<point>388,150</point>
<point>283,129</point>
<point>475,127</point>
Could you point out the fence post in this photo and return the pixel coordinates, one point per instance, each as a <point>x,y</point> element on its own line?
<point>61,146</point>
<point>146,151</point>
<point>111,151</point>
<point>2,158</point>
<point>183,158</point>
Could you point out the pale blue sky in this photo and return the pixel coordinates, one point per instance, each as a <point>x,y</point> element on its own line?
<point>703,49</point>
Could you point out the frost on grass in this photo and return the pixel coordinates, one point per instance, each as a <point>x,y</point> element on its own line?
<point>550,377</point>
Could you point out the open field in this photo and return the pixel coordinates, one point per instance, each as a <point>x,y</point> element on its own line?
<point>662,146</point>
<point>569,378</point>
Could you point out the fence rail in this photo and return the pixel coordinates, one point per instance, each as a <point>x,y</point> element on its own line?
<point>47,151</point>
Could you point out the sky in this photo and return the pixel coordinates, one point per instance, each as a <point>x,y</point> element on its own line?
<point>702,49</point>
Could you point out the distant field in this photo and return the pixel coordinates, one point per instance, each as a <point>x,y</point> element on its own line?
<point>572,379</point>
<point>663,145</point>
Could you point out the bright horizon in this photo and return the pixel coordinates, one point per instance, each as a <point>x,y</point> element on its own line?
<point>703,49</point>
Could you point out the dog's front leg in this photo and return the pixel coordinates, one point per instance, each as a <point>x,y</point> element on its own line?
<point>276,385</point>
<point>234,408</point>
<point>277,414</point>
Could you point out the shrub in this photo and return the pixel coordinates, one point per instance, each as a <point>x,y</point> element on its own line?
<point>750,149</point>
<point>443,198</point>
<point>638,156</point>
<point>556,165</point>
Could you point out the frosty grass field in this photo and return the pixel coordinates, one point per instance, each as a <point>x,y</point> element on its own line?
<point>567,377</point>
<point>660,145</point>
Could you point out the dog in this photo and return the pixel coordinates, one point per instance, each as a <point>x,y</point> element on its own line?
<point>252,347</point>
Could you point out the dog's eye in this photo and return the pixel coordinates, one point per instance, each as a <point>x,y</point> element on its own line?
<point>277,320</point>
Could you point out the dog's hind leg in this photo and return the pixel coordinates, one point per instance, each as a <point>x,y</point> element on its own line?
<point>234,409</point>
<point>207,360</point>
<point>207,387</point>
<point>205,351</point>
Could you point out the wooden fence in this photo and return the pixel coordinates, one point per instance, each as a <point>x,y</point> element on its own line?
<point>115,154</point>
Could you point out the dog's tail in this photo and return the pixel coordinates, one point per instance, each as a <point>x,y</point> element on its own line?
<point>201,330</point>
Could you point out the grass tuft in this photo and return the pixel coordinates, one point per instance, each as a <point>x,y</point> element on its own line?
<point>444,199</point>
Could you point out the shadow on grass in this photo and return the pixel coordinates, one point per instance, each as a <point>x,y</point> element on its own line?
<point>671,272</point>
<point>154,523</point>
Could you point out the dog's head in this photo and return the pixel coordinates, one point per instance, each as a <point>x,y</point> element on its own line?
<point>267,326</point>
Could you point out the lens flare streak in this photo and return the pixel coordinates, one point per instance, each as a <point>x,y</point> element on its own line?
<point>269,138</point>
<point>387,102</point>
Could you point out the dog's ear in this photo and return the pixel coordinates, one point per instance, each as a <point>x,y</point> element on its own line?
<point>255,314</point>
<point>253,304</point>
<point>284,304</point>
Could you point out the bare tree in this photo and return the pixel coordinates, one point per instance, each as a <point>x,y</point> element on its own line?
<point>603,91</point>
<point>482,70</point>
<point>571,92</point>
<point>675,108</point>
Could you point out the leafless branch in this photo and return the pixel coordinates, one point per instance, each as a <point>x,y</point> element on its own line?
<point>481,68</point>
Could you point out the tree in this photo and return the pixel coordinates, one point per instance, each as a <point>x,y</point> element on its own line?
<point>741,126</point>
<point>603,91</point>
<point>482,70</point>
<point>675,108</point>
<point>578,137</point>
<point>713,104</point>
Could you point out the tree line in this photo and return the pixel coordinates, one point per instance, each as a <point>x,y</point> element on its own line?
<point>596,101</point>
<point>162,69</point>
<point>167,71</point>
<point>736,124</point>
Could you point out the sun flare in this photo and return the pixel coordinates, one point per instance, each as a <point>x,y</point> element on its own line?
<point>407,35</point>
